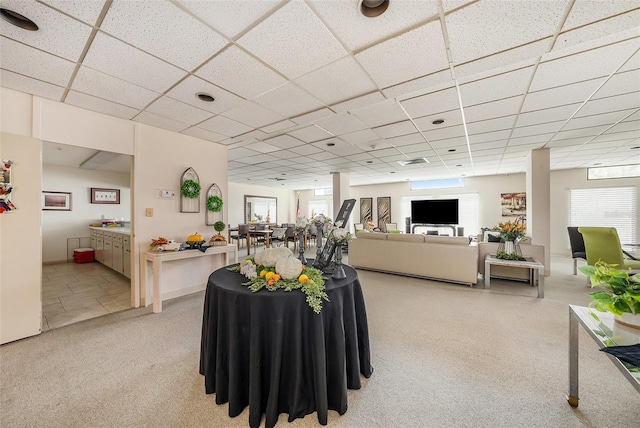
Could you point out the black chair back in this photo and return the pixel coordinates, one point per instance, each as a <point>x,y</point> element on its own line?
<point>577,243</point>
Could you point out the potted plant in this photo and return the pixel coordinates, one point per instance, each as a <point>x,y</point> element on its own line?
<point>620,294</point>
<point>511,232</point>
<point>218,239</point>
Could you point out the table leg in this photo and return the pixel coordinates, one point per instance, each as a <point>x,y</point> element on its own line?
<point>266,240</point>
<point>540,282</point>
<point>487,275</point>
<point>573,398</point>
<point>157,299</point>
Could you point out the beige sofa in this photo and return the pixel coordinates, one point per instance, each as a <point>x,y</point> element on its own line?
<point>436,257</point>
<point>528,250</point>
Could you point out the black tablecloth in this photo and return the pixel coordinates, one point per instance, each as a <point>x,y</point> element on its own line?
<point>268,350</point>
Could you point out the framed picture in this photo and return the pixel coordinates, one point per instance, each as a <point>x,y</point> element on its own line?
<point>56,201</point>
<point>513,204</point>
<point>366,210</point>
<point>384,212</point>
<point>105,196</point>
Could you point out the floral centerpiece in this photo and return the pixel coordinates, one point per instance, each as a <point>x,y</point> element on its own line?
<point>340,236</point>
<point>320,220</point>
<point>277,268</point>
<point>511,232</point>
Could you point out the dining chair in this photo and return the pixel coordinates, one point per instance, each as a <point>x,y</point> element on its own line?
<point>603,244</point>
<point>243,233</point>
<point>290,236</point>
<point>390,226</point>
<point>278,236</point>
<point>313,233</point>
<point>578,251</point>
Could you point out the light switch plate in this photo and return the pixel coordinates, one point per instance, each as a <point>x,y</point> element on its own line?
<point>149,212</point>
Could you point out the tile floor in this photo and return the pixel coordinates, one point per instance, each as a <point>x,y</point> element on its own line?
<point>73,292</point>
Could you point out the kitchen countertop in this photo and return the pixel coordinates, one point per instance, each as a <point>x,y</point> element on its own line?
<point>122,230</point>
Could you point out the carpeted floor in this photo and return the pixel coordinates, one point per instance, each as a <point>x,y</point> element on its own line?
<point>445,355</point>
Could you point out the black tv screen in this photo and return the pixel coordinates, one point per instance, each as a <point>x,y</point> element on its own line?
<point>434,211</point>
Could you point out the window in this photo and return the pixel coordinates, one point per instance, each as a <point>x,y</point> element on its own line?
<point>615,207</point>
<point>445,183</point>
<point>323,192</point>
<point>318,207</point>
<point>467,209</point>
<point>621,171</point>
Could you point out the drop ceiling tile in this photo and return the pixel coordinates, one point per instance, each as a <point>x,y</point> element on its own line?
<point>500,136</point>
<point>497,87</point>
<point>285,39</point>
<point>381,154</point>
<point>580,133</point>
<point>520,23</point>
<point>451,118</point>
<point>187,91</point>
<point>543,128</point>
<point>360,137</point>
<point>479,155</point>
<point>30,62</point>
<point>432,104</point>
<point>620,83</point>
<point>310,134</point>
<point>255,79</point>
<point>498,124</point>
<point>252,114</point>
<point>224,126</point>
<point>306,150</point>
<point>338,81</point>
<point>561,95</point>
<point>57,33</point>
<point>160,121</point>
<point>113,57</point>
<point>415,87</point>
<point>395,129</point>
<point>197,132</point>
<point>357,31</point>
<point>607,119</point>
<point>86,11</point>
<point>313,116</point>
<point>230,17</point>
<point>28,85</point>
<point>323,156</point>
<point>131,22</point>
<point>342,124</point>
<point>89,102</point>
<point>289,100</point>
<point>520,57</point>
<point>405,140</point>
<point>500,108</point>
<point>357,102</point>
<point>552,114</point>
<point>413,54</point>
<point>285,154</point>
<point>284,142</point>
<point>262,147</point>
<point>444,133</point>
<point>610,104</point>
<point>344,150</point>
<point>423,148</point>
<point>242,155</point>
<point>382,113</point>
<point>107,87</point>
<point>582,66</point>
<point>279,126</point>
<point>177,110</point>
<point>449,142</point>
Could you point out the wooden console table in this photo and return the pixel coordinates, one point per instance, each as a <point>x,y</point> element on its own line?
<point>158,257</point>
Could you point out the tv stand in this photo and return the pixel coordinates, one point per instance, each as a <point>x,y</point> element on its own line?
<point>452,226</point>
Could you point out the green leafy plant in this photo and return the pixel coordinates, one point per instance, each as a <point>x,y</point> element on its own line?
<point>190,189</point>
<point>219,226</point>
<point>509,256</point>
<point>621,292</point>
<point>214,203</point>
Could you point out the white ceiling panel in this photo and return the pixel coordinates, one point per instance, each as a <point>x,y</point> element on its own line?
<point>86,11</point>
<point>187,91</point>
<point>520,23</point>
<point>415,87</point>
<point>262,147</point>
<point>285,154</point>
<point>32,86</point>
<point>103,86</point>
<point>313,116</point>
<point>342,124</point>
<point>252,114</point>
<point>620,83</point>
<point>395,129</point>
<point>583,66</point>
<point>543,128</point>
<point>451,118</point>
<point>498,124</point>
<point>158,121</point>
<point>500,108</point>
<point>588,11</point>
<point>435,133</point>
<point>197,132</point>
<point>494,88</point>
<point>489,137</point>
<point>598,119</point>
<point>289,100</point>
<point>242,155</point>
<point>580,133</point>
<point>306,150</point>
<point>89,102</point>
<point>113,57</point>
<point>131,22</point>
<point>255,79</point>
<point>610,104</point>
<point>284,142</point>
<point>597,30</point>
<point>553,114</point>
<point>361,137</point>
<point>230,17</point>
<point>279,126</point>
<point>357,31</point>
<point>405,140</point>
<point>30,62</point>
<point>179,111</point>
<point>520,57</point>
<point>338,81</point>
<point>382,113</point>
<point>410,55</point>
<point>322,156</point>
<point>357,102</point>
<point>224,126</point>
<point>285,40</point>
<point>562,95</point>
<point>433,103</point>
<point>310,134</point>
<point>57,33</point>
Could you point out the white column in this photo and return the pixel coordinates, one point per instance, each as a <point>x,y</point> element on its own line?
<point>340,190</point>
<point>538,202</point>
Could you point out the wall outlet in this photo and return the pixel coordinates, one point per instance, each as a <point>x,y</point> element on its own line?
<point>149,212</point>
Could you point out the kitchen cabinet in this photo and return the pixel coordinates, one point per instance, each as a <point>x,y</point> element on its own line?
<point>126,256</point>
<point>112,248</point>
<point>108,249</point>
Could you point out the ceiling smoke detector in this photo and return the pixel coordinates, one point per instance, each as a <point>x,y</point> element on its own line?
<point>373,8</point>
<point>416,161</point>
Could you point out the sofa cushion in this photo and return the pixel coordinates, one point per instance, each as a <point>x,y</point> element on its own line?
<point>371,235</point>
<point>409,237</point>
<point>455,240</point>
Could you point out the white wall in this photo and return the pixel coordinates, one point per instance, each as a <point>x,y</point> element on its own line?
<point>235,202</point>
<point>20,238</point>
<point>57,226</point>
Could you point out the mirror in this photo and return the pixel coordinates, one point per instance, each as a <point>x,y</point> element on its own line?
<point>260,209</point>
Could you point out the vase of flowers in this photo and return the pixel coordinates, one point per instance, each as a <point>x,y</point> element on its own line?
<point>511,232</point>
<point>340,236</point>
<point>319,221</point>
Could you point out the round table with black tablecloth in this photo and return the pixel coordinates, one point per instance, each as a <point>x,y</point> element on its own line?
<point>268,350</point>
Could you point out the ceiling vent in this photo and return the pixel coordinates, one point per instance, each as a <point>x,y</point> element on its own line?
<point>98,160</point>
<point>416,161</point>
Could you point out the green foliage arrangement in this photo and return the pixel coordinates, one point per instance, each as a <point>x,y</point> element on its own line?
<point>214,203</point>
<point>621,291</point>
<point>190,189</point>
<point>219,226</point>
<point>508,256</point>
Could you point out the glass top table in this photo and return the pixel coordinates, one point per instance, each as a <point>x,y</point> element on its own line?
<point>605,332</point>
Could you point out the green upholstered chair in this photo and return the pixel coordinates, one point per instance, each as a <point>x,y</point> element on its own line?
<point>603,243</point>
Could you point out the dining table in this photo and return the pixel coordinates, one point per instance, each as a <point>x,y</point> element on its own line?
<point>254,234</point>
<point>270,351</point>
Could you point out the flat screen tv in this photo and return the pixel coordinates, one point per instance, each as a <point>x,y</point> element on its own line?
<point>434,211</point>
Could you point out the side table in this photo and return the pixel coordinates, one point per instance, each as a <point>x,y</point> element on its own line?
<point>536,271</point>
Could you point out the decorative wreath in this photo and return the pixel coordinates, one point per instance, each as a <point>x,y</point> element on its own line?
<point>190,189</point>
<point>214,203</point>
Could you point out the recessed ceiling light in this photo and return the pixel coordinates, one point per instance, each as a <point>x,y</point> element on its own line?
<point>283,174</point>
<point>451,150</point>
<point>369,161</point>
<point>18,20</point>
<point>205,97</point>
<point>392,172</point>
<point>331,144</point>
<point>598,163</point>
<point>635,147</point>
<point>459,165</point>
<point>373,8</point>
<point>438,122</point>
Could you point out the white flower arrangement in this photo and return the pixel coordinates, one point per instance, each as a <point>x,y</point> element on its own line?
<point>271,256</point>
<point>339,235</point>
<point>320,220</point>
<point>301,224</point>
<point>249,270</point>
